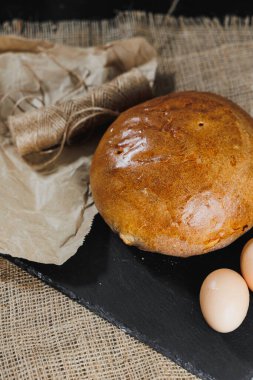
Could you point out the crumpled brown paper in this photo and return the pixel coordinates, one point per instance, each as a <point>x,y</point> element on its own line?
<point>45,217</point>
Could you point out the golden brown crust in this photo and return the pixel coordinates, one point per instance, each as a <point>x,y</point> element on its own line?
<point>174,174</point>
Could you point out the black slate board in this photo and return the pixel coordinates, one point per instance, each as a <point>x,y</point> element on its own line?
<point>155,299</point>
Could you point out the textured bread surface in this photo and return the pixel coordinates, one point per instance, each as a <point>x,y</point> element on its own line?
<point>174,175</point>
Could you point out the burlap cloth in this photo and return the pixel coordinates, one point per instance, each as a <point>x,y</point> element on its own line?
<point>43,334</point>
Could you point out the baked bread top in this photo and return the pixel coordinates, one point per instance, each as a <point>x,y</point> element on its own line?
<point>175,174</point>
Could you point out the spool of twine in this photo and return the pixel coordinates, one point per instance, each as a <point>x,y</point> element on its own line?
<point>41,130</point>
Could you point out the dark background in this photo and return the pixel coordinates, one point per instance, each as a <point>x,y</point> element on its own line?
<point>96,9</point>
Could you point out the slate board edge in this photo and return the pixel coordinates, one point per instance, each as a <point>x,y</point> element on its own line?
<point>101,313</point>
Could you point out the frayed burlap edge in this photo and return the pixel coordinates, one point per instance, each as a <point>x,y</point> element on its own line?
<point>43,334</point>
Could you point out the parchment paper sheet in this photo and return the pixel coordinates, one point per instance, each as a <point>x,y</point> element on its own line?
<point>45,217</point>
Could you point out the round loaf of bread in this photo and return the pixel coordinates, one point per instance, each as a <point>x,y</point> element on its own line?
<point>175,174</point>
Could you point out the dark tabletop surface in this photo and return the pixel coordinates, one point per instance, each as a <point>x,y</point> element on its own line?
<point>97,9</point>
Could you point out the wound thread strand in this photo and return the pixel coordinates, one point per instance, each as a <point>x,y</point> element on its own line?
<point>39,130</point>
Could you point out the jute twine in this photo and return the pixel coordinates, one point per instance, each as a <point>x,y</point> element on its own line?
<point>46,130</point>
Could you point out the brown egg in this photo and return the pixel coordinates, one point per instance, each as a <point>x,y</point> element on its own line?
<point>224,300</point>
<point>247,263</point>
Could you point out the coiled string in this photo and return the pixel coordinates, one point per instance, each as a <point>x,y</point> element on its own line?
<point>45,131</point>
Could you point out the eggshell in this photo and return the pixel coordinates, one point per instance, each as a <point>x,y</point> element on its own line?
<point>224,300</point>
<point>247,263</point>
